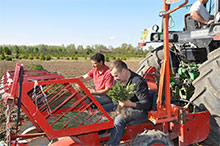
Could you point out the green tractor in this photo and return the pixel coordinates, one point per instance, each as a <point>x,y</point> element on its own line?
<point>194,64</point>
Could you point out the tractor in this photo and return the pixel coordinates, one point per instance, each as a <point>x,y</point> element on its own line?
<point>194,60</point>
<point>62,111</point>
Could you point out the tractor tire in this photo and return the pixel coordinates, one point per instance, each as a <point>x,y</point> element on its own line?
<point>39,141</point>
<point>151,138</point>
<point>153,58</point>
<point>207,94</point>
<point>28,128</point>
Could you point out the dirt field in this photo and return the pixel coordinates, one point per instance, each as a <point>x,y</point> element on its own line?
<point>67,68</point>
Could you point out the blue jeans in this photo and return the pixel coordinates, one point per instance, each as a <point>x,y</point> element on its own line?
<point>105,102</point>
<point>120,122</point>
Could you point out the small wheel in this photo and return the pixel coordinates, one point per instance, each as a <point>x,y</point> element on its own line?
<point>39,141</point>
<point>28,128</point>
<point>152,138</point>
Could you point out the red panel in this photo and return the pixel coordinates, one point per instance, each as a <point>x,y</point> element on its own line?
<point>65,141</point>
<point>196,128</point>
<point>150,77</point>
<point>91,139</point>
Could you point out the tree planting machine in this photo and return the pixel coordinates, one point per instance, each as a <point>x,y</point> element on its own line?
<point>62,111</point>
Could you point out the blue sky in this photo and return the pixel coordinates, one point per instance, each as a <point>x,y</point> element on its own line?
<point>81,22</point>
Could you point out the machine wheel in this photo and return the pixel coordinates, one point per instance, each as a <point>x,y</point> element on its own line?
<point>207,93</point>
<point>40,141</point>
<point>153,58</point>
<point>28,128</point>
<point>152,138</point>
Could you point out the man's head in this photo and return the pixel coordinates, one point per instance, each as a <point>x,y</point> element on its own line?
<point>204,1</point>
<point>98,61</point>
<point>119,71</point>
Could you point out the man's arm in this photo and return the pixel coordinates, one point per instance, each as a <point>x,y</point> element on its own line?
<point>195,15</point>
<point>127,103</point>
<point>100,92</point>
<point>108,86</point>
<point>85,78</point>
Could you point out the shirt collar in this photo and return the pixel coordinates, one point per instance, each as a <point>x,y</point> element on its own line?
<point>131,76</point>
<point>103,71</point>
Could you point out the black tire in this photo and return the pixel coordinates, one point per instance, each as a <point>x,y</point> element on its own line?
<point>39,141</point>
<point>151,137</point>
<point>207,94</point>
<point>153,58</point>
<point>28,128</point>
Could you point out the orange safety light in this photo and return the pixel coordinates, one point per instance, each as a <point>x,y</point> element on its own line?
<point>141,44</point>
<point>216,37</point>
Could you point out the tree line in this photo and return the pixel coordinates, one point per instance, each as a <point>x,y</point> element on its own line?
<point>73,52</point>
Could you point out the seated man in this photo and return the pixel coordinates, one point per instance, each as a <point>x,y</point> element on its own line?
<point>103,81</point>
<point>137,106</point>
<point>200,14</point>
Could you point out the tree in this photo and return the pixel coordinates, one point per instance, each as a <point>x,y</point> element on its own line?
<point>124,46</point>
<point>71,48</point>
<point>89,50</point>
<point>60,50</point>
<point>6,50</point>
<point>2,57</point>
<point>23,49</point>
<point>30,49</point>
<point>42,57</point>
<point>17,50</point>
<point>36,50</point>
<point>80,48</point>
<point>99,47</point>
<point>43,48</point>
<point>30,57</point>
<point>130,49</point>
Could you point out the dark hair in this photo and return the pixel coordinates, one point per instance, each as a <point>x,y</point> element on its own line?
<point>119,65</point>
<point>98,57</point>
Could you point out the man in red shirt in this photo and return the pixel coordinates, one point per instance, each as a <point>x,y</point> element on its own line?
<point>103,81</point>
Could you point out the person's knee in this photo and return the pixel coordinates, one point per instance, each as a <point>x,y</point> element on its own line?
<point>119,120</point>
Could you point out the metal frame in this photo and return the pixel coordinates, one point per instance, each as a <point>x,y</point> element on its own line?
<point>173,120</point>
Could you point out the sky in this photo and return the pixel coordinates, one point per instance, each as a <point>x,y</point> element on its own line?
<point>79,22</point>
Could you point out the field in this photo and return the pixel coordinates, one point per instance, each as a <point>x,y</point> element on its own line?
<point>67,68</point>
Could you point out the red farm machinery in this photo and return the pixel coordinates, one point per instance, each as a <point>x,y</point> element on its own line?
<point>62,111</point>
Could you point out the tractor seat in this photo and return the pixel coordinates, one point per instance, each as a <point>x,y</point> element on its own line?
<point>190,23</point>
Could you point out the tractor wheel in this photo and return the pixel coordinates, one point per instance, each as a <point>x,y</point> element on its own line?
<point>28,128</point>
<point>39,141</point>
<point>153,58</point>
<point>207,93</point>
<point>152,138</point>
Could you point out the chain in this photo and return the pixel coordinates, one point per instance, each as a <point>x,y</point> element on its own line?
<point>8,130</point>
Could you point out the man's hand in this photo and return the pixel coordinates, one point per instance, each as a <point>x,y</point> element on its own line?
<point>127,103</point>
<point>91,90</point>
<point>209,22</point>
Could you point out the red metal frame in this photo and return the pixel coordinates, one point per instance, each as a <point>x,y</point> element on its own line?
<point>40,85</point>
<point>88,134</point>
<point>164,112</point>
<point>150,77</point>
